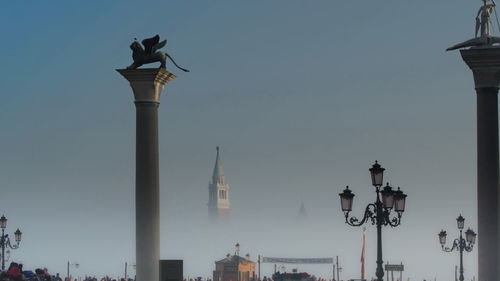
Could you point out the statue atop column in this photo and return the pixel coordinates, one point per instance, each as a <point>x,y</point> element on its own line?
<point>483,28</point>
<point>483,18</point>
<point>149,53</point>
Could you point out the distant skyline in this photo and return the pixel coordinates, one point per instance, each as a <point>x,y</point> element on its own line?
<point>301,96</point>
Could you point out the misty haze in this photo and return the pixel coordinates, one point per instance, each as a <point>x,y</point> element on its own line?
<point>113,157</point>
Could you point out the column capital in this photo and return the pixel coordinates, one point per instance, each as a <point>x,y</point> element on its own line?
<point>147,83</point>
<point>485,65</point>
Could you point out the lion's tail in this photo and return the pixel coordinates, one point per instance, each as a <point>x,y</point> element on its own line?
<point>183,69</point>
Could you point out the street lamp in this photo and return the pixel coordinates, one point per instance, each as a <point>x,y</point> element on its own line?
<point>377,213</point>
<point>76,265</point>
<point>460,243</point>
<point>237,253</point>
<point>126,268</point>
<point>5,240</point>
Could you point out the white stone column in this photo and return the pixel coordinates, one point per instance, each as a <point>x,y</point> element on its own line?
<point>147,85</point>
<point>485,65</point>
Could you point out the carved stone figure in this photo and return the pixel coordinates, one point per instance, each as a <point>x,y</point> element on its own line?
<point>149,53</point>
<point>484,23</point>
<point>483,28</point>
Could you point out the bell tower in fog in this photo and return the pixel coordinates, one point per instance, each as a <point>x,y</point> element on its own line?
<point>218,191</point>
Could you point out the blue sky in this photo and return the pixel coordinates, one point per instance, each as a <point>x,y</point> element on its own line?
<point>302,97</point>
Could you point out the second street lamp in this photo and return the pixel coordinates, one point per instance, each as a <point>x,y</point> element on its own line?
<point>460,243</point>
<point>378,213</point>
<point>5,240</point>
<point>76,265</point>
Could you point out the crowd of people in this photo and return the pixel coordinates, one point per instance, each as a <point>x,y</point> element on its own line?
<point>16,272</point>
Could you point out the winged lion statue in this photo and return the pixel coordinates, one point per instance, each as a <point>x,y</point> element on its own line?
<point>150,53</point>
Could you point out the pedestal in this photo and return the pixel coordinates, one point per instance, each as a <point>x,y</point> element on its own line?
<point>147,85</point>
<point>485,65</point>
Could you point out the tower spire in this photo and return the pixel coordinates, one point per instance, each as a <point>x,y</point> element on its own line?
<point>218,174</point>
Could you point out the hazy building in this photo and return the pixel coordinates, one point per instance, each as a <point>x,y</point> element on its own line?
<point>234,268</point>
<point>302,211</point>
<point>218,191</point>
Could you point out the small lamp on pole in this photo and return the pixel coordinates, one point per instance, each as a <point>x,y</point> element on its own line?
<point>3,222</point>
<point>377,173</point>
<point>460,222</point>
<point>346,198</point>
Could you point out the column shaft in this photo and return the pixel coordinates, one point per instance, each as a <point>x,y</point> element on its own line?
<point>147,192</point>
<point>488,184</point>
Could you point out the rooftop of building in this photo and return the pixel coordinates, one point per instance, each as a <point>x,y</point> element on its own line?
<point>234,259</point>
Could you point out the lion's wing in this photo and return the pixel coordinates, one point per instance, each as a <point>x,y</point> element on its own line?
<point>159,45</point>
<point>150,43</point>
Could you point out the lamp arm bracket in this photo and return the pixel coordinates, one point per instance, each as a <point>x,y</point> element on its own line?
<point>469,248</point>
<point>395,221</point>
<point>448,250</point>
<point>369,214</point>
<point>455,245</point>
<point>9,245</point>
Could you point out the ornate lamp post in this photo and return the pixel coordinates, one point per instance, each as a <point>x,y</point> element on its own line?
<point>5,240</point>
<point>237,253</point>
<point>76,265</point>
<point>126,268</point>
<point>377,213</point>
<point>460,243</point>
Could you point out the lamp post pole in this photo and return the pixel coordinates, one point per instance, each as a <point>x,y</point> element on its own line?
<point>3,248</point>
<point>237,252</point>
<point>459,244</point>
<point>380,271</point>
<point>377,213</point>
<point>461,257</point>
<point>259,268</point>
<point>338,268</point>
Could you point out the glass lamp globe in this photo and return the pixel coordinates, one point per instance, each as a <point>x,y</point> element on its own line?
<point>377,173</point>
<point>460,222</point>
<point>3,222</point>
<point>399,200</point>
<point>17,235</point>
<point>442,237</point>
<point>346,198</point>
<point>388,197</point>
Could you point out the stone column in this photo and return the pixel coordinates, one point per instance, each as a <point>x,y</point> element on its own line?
<point>147,85</point>
<point>485,65</point>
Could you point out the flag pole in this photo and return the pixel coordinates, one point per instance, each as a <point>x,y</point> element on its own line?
<point>363,256</point>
